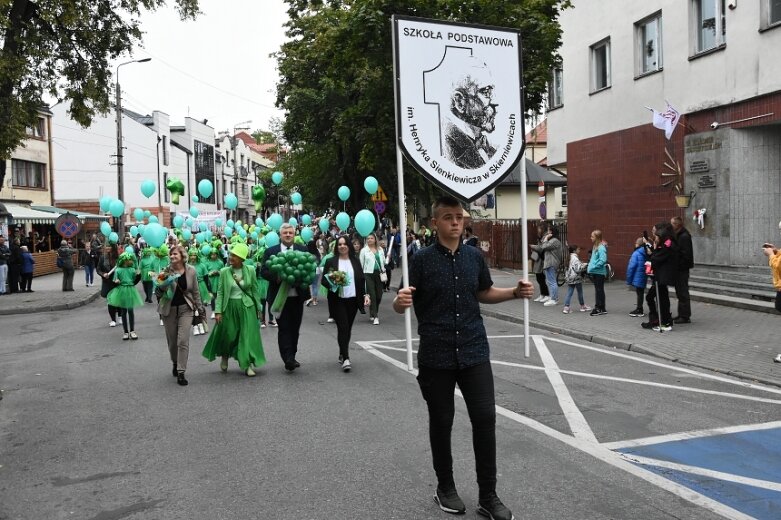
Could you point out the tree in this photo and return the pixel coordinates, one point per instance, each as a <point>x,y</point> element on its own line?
<point>264,137</point>
<point>336,85</point>
<point>63,49</point>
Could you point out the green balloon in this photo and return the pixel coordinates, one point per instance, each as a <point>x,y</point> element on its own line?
<point>291,279</point>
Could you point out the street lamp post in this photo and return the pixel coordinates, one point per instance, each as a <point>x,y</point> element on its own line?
<point>120,154</point>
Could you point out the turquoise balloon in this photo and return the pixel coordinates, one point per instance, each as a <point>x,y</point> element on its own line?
<point>293,222</point>
<point>205,188</point>
<point>371,185</point>
<point>152,220</point>
<point>138,214</point>
<point>231,201</point>
<point>178,221</point>
<point>154,234</point>
<point>254,235</point>
<point>230,223</point>
<point>324,225</point>
<point>343,220</point>
<point>116,208</point>
<point>276,178</point>
<point>238,224</point>
<point>141,228</point>
<point>295,198</point>
<point>364,222</point>
<point>105,228</point>
<point>147,214</point>
<point>307,234</point>
<point>218,222</point>
<point>187,234</point>
<point>228,232</point>
<point>129,249</point>
<point>242,233</point>
<point>259,222</point>
<point>272,239</point>
<point>306,220</point>
<point>199,238</point>
<point>344,193</point>
<point>194,212</point>
<point>133,231</point>
<point>148,188</point>
<point>195,198</point>
<point>275,221</point>
<point>202,226</point>
<point>113,238</point>
<point>105,202</point>
<point>189,223</point>
<point>206,250</point>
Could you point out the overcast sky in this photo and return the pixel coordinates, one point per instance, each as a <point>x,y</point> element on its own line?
<point>216,68</point>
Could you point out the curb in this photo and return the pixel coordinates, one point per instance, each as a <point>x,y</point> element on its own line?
<point>633,347</point>
<point>51,308</point>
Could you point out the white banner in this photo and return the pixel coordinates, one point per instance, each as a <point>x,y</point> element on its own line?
<point>207,217</point>
<point>459,104</point>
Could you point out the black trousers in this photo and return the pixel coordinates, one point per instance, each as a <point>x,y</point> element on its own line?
<point>26,283</point>
<point>599,290</point>
<point>778,301</point>
<point>640,292</point>
<point>542,283</point>
<point>344,311</point>
<point>148,290</point>
<point>477,386</point>
<point>664,304</point>
<point>682,293</point>
<point>289,322</point>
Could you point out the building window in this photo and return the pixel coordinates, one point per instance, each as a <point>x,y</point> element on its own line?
<point>709,24</point>
<point>165,150</point>
<point>648,35</point>
<point>600,65</point>
<point>775,12</point>
<point>166,193</point>
<point>556,89</point>
<point>770,13</point>
<point>563,196</point>
<point>28,174</point>
<point>37,130</point>
<point>204,166</point>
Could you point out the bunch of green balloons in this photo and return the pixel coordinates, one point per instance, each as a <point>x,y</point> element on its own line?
<point>293,268</point>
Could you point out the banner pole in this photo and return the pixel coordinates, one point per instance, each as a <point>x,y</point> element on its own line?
<point>402,205</point>
<point>524,255</point>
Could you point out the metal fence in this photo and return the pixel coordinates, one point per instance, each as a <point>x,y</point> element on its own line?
<point>501,240</point>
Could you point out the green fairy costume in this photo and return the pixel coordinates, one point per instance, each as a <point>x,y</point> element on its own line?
<point>125,295</point>
<point>148,263</point>
<point>213,266</point>
<point>201,272</point>
<point>237,335</point>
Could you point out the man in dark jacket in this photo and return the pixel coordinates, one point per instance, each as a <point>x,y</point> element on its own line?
<point>664,266</point>
<point>685,262</point>
<point>293,312</point>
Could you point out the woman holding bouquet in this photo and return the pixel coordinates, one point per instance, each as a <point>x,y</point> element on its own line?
<point>237,333</point>
<point>343,275</point>
<point>178,296</point>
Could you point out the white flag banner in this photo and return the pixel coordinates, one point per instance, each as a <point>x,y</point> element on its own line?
<point>666,120</point>
<point>459,103</point>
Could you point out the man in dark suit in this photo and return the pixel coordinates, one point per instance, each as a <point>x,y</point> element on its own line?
<point>292,313</point>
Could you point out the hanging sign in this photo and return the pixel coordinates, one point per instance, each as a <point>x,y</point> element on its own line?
<point>459,105</point>
<point>67,225</point>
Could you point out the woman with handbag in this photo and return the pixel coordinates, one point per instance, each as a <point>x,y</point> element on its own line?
<point>178,299</point>
<point>372,260</point>
<point>343,275</point>
<point>237,313</point>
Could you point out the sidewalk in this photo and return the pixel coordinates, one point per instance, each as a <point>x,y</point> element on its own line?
<point>723,339</point>
<point>48,296</point>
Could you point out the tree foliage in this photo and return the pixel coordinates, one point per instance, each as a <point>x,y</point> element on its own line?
<point>336,85</point>
<point>63,49</point>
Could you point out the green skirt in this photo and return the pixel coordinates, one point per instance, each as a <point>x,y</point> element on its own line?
<point>237,336</point>
<point>204,290</point>
<point>263,288</point>
<point>124,297</point>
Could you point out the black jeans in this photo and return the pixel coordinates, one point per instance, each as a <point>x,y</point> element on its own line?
<point>640,291</point>
<point>148,290</point>
<point>599,290</point>
<point>289,322</point>
<point>682,293</point>
<point>344,310</point>
<point>26,282</point>
<point>477,386</point>
<point>542,282</point>
<point>128,319</point>
<point>664,304</point>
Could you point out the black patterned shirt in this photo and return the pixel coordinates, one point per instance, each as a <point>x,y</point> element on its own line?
<point>451,330</point>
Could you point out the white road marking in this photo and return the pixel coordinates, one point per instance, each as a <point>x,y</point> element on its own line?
<point>595,450</point>
<point>696,434</point>
<point>694,470</point>
<point>577,423</point>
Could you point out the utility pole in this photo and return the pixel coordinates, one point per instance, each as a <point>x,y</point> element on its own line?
<point>120,153</point>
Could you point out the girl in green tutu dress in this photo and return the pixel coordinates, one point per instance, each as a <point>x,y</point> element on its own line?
<point>213,265</point>
<point>201,272</point>
<point>236,311</point>
<point>125,295</point>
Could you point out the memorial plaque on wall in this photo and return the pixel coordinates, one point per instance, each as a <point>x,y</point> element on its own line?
<point>699,166</point>
<point>706,181</point>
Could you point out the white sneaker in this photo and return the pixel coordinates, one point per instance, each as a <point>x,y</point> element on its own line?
<point>201,328</point>
<point>119,320</point>
<point>346,365</point>
<point>250,372</point>
<point>777,359</point>
<point>550,303</point>
<point>538,298</point>
<point>212,316</point>
<point>544,299</point>
<point>196,332</point>
<point>112,324</point>
<point>161,322</point>
<point>376,321</point>
<point>330,320</point>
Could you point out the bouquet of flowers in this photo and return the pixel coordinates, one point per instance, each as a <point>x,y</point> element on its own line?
<point>339,280</point>
<point>166,277</point>
<point>294,268</point>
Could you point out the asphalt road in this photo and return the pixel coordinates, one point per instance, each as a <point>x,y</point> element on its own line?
<point>93,427</point>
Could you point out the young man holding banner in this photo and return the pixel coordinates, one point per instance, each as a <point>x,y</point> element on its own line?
<point>448,282</point>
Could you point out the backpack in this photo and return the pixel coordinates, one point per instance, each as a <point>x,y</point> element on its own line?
<point>60,262</point>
